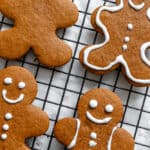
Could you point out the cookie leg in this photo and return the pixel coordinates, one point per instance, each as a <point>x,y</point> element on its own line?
<point>12,44</point>
<point>136,71</point>
<point>100,60</point>
<point>52,51</point>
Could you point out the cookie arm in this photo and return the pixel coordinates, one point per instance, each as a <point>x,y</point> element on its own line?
<point>67,14</point>
<point>122,140</point>
<point>36,121</point>
<point>13,44</point>
<point>66,131</point>
<point>7,7</point>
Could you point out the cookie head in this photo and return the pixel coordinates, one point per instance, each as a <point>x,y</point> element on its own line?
<point>100,107</point>
<point>17,86</point>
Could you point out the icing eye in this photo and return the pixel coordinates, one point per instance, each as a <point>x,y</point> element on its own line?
<point>8,80</point>
<point>21,85</point>
<point>93,103</point>
<point>109,108</point>
<point>148,13</point>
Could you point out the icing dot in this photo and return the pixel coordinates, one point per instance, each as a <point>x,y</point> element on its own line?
<point>5,127</point>
<point>4,136</point>
<point>93,135</point>
<point>8,81</point>
<point>21,85</point>
<point>109,108</point>
<point>8,116</point>
<point>124,47</point>
<point>127,39</point>
<point>92,143</point>
<point>130,26</point>
<point>93,103</point>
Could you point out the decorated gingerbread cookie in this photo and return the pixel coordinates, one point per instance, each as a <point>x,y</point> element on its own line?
<point>19,119</point>
<point>125,28</point>
<point>99,112</point>
<point>35,25</point>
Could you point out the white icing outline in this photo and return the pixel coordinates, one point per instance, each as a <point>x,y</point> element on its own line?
<point>136,7</point>
<point>143,53</point>
<point>12,101</point>
<point>73,142</point>
<point>119,59</point>
<point>111,137</point>
<point>148,13</point>
<point>97,121</point>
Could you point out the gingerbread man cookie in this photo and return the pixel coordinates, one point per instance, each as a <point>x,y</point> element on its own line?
<point>125,28</point>
<point>99,112</point>
<point>36,22</point>
<point>19,119</point>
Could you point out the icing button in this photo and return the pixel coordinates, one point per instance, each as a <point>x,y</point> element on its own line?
<point>92,143</point>
<point>4,136</point>
<point>8,116</point>
<point>5,127</point>
<point>127,39</point>
<point>130,26</point>
<point>124,47</point>
<point>93,135</point>
<point>148,13</point>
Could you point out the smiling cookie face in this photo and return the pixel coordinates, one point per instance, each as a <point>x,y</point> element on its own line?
<point>17,86</point>
<point>100,107</point>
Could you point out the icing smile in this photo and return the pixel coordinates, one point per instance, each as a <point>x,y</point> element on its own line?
<point>98,121</point>
<point>12,101</point>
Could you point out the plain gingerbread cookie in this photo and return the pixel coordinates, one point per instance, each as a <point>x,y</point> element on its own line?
<point>99,112</point>
<point>19,119</point>
<point>126,30</point>
<point>36,22</point>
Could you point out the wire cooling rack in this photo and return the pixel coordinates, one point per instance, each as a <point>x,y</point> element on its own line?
<point>60,88</point>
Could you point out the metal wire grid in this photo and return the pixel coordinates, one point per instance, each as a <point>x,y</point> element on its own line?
<point>60,88</point>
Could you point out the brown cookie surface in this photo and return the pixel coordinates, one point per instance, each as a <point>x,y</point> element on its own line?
<point>125,27</point>
<point>19,119</point>
<point>99,112</point>
<point>36,22</point>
